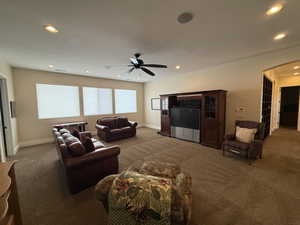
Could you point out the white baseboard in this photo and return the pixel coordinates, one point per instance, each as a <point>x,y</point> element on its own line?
<point>152,126</point>
<point>35,142</point>
<point>16,149</point>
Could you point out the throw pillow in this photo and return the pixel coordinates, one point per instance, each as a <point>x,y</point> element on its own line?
<point>76,133</point>
<point>77,149</point>
<point>88,144</point>
<point>245,135</point>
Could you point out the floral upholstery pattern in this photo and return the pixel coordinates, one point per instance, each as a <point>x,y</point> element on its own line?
<point>141,199</point>
<point>181,188</point>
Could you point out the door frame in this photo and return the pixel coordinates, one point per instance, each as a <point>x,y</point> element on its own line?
<point>7,119</point>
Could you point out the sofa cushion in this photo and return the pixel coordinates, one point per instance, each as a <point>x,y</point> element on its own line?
<point>88,144</point>
<point>60,140</point>
<point>245,135</point>
<point>62,131</point>
<point>126,129</point>
<point>122,122</point>
<point>66,135</point>
<point>76,149</point>
<point>70,140</point>
<point>109,122</point>
<point>98,144</point>
<point>116,131</point>
<point>237,144</point>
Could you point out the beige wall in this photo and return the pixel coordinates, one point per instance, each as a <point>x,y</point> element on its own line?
<point>33,130</point>
<point>242,79</point>
<point>5,71</point>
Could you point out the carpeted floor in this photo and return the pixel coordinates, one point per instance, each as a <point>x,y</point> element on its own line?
<point>226,190</point>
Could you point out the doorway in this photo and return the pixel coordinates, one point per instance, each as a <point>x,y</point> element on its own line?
<point>267,104</point>
<point>6,136</point>
<point>289,107</point>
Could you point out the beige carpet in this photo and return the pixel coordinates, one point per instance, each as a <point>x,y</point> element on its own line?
<point>226,190</point>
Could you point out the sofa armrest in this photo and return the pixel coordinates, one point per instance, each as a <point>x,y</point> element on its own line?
<point>229,137</point>
<point>132,123</point>
<point>103,128</point>
<point>92,157</point>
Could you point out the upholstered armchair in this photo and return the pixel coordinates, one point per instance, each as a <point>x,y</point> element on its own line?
<point>252,150</point>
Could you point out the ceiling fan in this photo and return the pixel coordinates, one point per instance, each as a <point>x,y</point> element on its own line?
<point>137,63</point>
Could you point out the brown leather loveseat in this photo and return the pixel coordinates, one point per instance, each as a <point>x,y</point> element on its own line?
<point>115,128</point>
<point>85,160</point>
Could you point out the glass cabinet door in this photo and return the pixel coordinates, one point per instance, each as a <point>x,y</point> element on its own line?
<point>210,107</point>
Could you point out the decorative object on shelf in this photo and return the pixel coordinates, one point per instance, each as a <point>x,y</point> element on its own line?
<point>155,103</point>
<point>12,109</point>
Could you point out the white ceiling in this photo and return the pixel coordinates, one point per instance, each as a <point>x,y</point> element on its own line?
<point>287,69</point>
<point>94,33</point>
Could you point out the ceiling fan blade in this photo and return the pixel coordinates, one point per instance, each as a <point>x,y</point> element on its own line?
<point>129,71</point>
<point>134,61</point>
<point>155,65</point>
<point>148,71</point>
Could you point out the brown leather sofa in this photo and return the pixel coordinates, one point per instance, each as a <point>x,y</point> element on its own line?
<point>85,160</point>
<point>115,128</point>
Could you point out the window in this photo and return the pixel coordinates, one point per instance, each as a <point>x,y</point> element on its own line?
<point>97,101</point>
<point>57,101</point>
<point>125,101</point>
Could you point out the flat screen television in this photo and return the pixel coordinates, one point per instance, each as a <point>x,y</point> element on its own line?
<point>185,117</point>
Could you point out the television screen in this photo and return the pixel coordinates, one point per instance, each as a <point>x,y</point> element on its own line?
<point>185,117</point>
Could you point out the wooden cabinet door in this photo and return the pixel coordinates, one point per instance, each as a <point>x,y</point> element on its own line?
<point>165,114</point>
<point>210,121</point>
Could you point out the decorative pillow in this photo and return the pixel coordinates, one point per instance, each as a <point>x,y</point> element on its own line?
<point>77,149</point>
<point>88,144</point>
<point>76,133</point>
<point>62,131</point>
<point>245,135</point>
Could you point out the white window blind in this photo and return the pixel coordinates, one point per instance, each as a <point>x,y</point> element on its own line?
<point>97,101</point>
<point>57,101</point>
<point>125,101</point>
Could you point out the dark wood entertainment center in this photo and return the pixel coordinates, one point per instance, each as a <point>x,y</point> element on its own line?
<point>212,114</point>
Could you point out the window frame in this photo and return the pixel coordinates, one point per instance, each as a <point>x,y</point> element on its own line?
<point>97,114</point>
<point>136,101</point>
<point>58,117</point>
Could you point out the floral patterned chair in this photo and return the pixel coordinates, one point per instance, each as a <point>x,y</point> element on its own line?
<point>181,202</point>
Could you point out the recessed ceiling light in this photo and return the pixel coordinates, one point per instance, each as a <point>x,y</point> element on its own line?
<point>296,67</point>
<point>50,28</point>
<point>178,67</point>
<point>274,9</point>
<point>279,36</point>
<point>87,71</point>
<point>296,73</point>
<point>50,66</point>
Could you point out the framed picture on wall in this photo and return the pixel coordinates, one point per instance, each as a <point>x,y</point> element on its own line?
<point>12,109</point>
<point>155,103</point>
